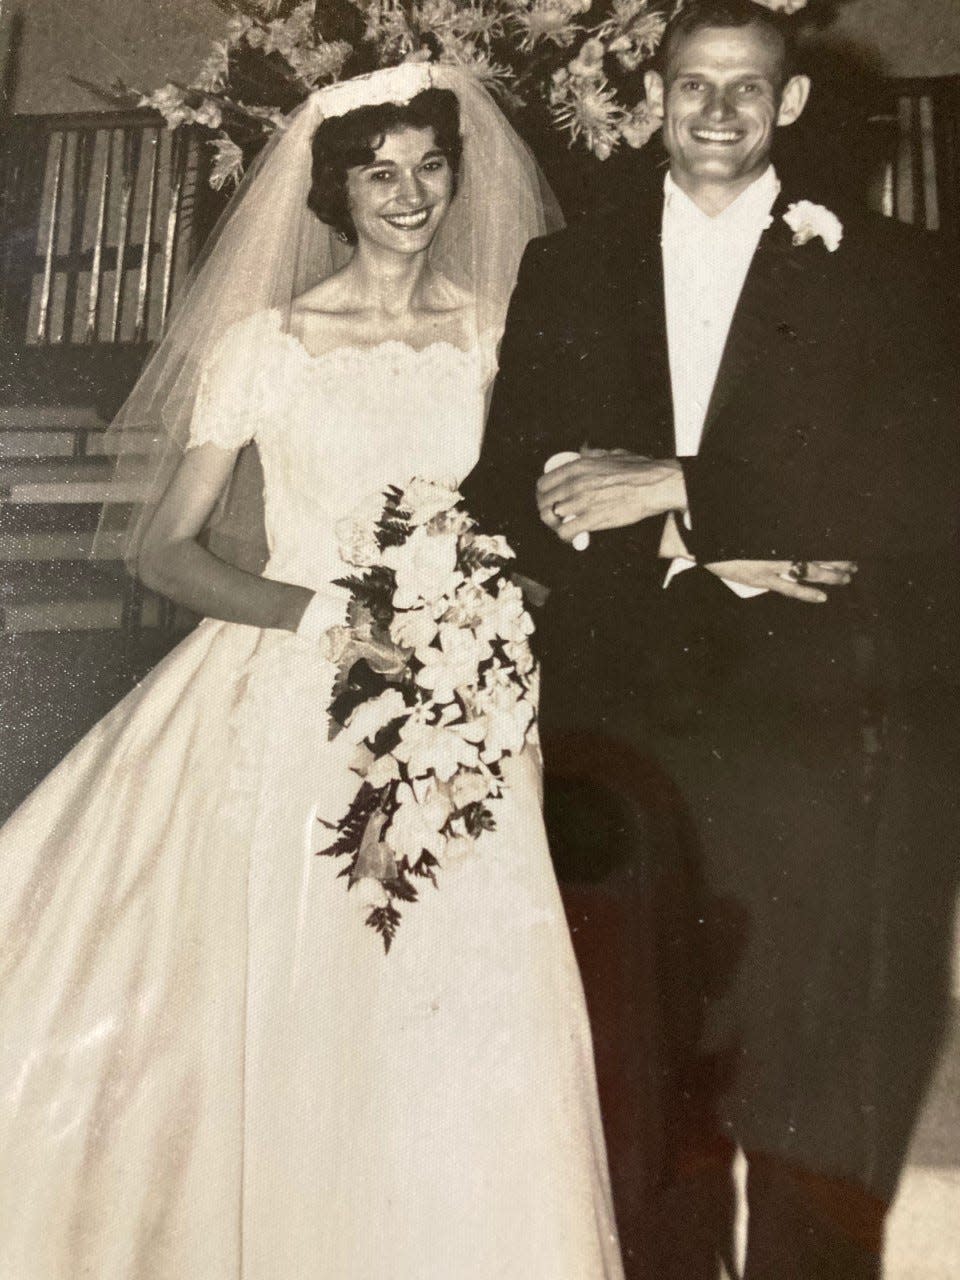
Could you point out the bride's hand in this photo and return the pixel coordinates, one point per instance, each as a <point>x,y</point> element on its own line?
<point>781,576</point>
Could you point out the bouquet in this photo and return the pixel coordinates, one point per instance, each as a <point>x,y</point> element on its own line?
<point>434,686</point>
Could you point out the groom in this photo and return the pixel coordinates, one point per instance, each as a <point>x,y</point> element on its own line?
<point>750,701</point>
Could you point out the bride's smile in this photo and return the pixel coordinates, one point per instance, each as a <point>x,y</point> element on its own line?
<point>399,199</point>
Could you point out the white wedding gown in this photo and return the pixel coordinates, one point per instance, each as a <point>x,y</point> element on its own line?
<point>209,1068</point>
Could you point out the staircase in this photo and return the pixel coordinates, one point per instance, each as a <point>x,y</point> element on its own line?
<point>55,470</point>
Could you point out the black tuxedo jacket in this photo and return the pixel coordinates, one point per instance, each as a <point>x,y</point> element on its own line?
<point>832,433</point>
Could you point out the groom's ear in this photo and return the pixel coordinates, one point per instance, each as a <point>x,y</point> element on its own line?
<point>793,99</point>
<point>653,88</point>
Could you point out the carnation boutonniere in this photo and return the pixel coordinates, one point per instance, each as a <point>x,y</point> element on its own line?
<point>807,220</point>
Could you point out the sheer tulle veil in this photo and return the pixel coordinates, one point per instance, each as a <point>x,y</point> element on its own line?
<point>268,248</point>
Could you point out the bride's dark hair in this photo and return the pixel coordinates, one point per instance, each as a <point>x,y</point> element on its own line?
<point>349,141</point>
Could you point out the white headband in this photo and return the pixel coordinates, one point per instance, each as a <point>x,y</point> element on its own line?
<point>390,84</point>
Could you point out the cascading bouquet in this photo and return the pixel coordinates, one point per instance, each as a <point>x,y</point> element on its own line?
<point>435,687</point>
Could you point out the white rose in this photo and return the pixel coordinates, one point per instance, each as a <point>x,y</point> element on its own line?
<point>439,749</point>
<point>416,824</point>
<point>454,664</point>
<point>361,760</point>
<point>453,521</point>
<point>520,654</point>
<point>492,545</point>
<point>382,770</point>
<point>469,604</point>
<point>505,715</point>
<point>425,567</point>
<point>589,61</point>
<point>467,786</point>
<point>371,893</point>
<point>357,542</point>
<point>413,628</point>
<point>505,616</point>
<point>425,499</point>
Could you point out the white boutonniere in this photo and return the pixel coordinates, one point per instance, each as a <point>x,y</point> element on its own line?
<point>807,220</point>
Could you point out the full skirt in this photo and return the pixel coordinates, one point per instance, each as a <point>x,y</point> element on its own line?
<point>209,1066</point>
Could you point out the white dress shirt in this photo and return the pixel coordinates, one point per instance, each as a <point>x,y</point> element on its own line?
<point>705,262</point>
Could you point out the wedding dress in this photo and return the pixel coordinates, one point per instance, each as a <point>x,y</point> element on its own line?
<point>209,1066</point>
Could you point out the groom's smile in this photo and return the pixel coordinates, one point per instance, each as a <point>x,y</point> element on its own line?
<point>721,95</point>
<point>716,135</point>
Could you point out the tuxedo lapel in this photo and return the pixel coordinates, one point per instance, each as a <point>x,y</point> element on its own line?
<point>759,316</point>
<point>637,277</point>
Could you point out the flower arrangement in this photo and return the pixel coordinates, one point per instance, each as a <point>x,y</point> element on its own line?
<point>434,688</point>
<point>575,62</point>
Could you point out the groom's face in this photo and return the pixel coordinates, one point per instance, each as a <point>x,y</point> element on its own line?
<point>721,96</point>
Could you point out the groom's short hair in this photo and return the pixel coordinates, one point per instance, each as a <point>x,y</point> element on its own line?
<point>698,14</point>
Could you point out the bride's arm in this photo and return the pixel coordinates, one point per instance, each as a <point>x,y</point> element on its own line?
<point>172,562</point>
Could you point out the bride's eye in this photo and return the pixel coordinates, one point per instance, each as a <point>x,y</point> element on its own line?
<point>435,164</point>
<point>380,175</point>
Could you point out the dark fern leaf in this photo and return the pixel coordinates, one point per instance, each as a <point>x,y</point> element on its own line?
<point>424,867</point>
<point>374,590</point>
<point>378,579</point>
<point>385,920</point>
<point>400,887</point>
<point>472,557</point>
<point>392,495</point>
<point>392,532</point>
<point>365,803</point>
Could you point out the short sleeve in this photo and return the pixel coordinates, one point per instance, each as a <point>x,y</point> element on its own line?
<point>228,408</point>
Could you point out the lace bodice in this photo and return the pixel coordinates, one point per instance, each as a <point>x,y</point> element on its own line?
<point>334,428</point>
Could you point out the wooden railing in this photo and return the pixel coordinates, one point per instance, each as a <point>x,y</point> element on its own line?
<point>101,216</point>
<point>917,125</point>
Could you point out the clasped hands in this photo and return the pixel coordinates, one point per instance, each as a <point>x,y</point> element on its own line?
<point>609,489</point>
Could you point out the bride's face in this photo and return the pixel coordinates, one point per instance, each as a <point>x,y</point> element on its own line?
<point>398,201</point>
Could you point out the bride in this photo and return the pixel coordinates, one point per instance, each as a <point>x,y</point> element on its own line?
<point>209,1067</point>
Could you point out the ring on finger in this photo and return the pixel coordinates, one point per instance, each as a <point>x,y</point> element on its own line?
<point>799,571</point>
<point>553,508</point>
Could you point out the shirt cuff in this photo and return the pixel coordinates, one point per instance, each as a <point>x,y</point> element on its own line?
<point>681,564</point>
<point>738,588</point>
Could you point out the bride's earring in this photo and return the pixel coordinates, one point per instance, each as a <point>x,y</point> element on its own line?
<point>343,237</point>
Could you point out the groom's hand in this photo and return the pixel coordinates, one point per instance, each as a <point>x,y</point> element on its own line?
<point>608,491</point>
<point>778,575</point>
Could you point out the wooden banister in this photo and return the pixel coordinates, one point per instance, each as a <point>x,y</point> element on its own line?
<point>101,214</point>
<point>918,124</point>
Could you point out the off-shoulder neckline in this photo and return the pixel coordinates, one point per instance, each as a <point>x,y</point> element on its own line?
<point>486,341</point>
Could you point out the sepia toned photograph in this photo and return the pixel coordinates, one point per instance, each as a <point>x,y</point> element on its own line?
<point>479,639</point>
